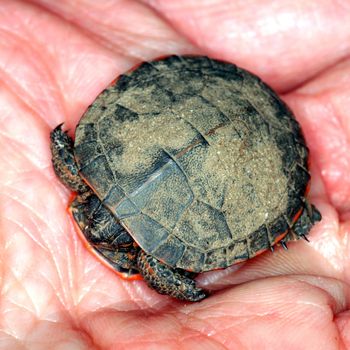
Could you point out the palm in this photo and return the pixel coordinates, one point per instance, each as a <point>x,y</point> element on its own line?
<point>56,57</point>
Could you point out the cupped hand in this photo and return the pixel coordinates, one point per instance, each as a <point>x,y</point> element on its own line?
<point>55,58</point>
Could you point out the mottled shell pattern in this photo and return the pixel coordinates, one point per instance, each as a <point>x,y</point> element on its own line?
<point>200,161</point>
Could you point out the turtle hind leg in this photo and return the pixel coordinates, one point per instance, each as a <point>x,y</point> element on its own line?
<point>169,281</point>
<point>63,160</point>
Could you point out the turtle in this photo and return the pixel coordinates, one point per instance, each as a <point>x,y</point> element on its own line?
<point>183,165</point>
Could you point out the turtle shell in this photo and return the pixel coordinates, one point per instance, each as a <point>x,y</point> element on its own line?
<point>200,161</point>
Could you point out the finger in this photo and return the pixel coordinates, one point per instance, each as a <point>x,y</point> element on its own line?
<point>322,108</point>
<point>287,311</point>
<point>327,254</point>
<point>285,42</point>
<point>324,255</point>
<point>127,27</point>
<point>44,65</point>
<point>58,66</point>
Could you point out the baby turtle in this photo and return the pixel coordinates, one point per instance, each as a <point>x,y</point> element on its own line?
<point>185,165</point>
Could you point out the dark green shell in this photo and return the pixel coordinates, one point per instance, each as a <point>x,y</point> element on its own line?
<point>199,160</point>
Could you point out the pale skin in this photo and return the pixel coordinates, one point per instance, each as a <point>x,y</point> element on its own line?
<point>55,58</point>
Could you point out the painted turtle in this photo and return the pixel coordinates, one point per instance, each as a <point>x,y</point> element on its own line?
<point>184,165</point>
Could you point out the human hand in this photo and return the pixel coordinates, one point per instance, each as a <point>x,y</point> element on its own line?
<point>56,56</point>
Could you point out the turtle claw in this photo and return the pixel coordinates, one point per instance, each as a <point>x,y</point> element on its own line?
<point>284,245</point>
<point>304,237</point>
<point>58,127</point>
<point>198,294</point>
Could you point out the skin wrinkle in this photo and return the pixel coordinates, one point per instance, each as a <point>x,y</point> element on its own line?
<point>3,332</point>
<point>58,270</point>
<point>181,332</point>
<point>28,328</point>
<point>21,204</point>
<point>239,321</point>
<point>57,293</point>
<point>34,215</point>
<point>27,233</point>
<point>17,304</point>
<point>340,126</point>
<point>23,175</point>
<point>337,122</point>
<point>335,226</point>
<point>64,291</point>
<point>38,313</point>
<point>342,145</point>
<point>307,281</point>
<point>86,296</point>
<point>299,89</point>
<point>71,279</point>
<point>137,302</point>
<point>13,86</point>
<point>242,322</point>
<point>342,324</point>
<point>120,302</point>
<point>16,179</point>
<point>153,305</point>
<point>233,324</point>
<point>84,292</point>
<point>338,306</point>
<point>14,143</point>
<point>117,48</point>
<point>329,82</point>
<point>333,304</point>
<point>13,181</point>
<point>92,283</point>
<point>98,40</point>
<point>191,20</point>
<point>238,26</point>
<point>236,320</point>
<point>329,253</point>
<point>186,323</point>
<point>204,337</point>
<point>10,334</point>
<point>36,333</point>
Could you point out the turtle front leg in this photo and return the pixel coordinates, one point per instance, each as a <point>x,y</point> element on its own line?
<point>63,160</point>
<point>169,281</point>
